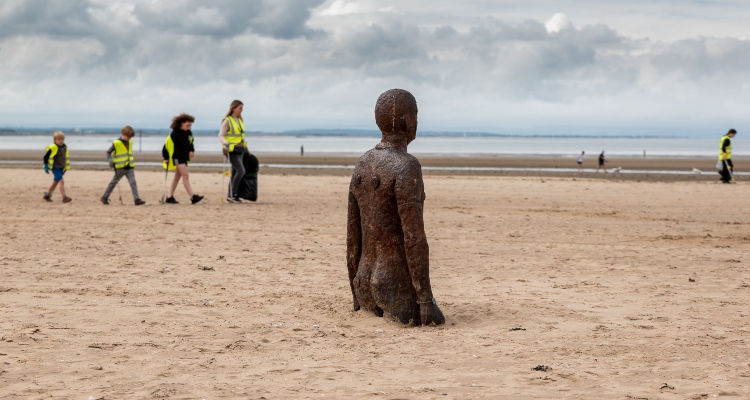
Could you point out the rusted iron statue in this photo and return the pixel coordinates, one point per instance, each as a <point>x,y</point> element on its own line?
<point>386,247</point>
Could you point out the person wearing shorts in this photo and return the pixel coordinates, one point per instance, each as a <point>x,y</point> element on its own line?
<point>180,151</point>
<point>57,159</point>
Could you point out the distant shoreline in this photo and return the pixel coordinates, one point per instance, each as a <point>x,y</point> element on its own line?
<point>332,133</point>
<point>654,169</point>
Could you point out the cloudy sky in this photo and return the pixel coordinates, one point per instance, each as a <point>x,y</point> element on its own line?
<point>545,67</point>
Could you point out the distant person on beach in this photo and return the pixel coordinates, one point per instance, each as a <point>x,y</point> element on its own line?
<point>57,159</point>
<point>120,157</point>
<point>302,150</point>
<point>177,152</point>
<point>725,156</point>
<point>580,161</point>
<point>602,161</point>
<point>232,137</point>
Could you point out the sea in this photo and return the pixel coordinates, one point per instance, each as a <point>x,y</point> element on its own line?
<point>428,145</point>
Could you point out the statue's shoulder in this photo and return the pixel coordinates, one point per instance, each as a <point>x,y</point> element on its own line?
<point>365,159</point>
<point>413,161</point>
<point>408,163</point>
<point>388,159</point>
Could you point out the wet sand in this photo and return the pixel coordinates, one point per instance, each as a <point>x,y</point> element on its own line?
<point>455,165</point>
<point>621,290</point>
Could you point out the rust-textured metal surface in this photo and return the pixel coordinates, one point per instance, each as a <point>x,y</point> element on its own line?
<point>386,248</point>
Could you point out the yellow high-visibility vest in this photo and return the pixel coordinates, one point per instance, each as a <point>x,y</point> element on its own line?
<point>236,132</point>
<point>729,148</point>
<point>53,152</point>
<point>123,156</point>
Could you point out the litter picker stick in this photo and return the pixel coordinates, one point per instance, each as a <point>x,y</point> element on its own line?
<point>223,174</point>
<point>119,193</point>
<point>164,193</point>
<point>731,175</point>
<point>231,188</point>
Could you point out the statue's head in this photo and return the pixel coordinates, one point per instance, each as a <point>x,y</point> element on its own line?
<point>396,114</point>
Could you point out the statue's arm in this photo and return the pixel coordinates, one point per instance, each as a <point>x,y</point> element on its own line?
<point>409,190</point>
<point>353,243</point>
<point>410,200</point>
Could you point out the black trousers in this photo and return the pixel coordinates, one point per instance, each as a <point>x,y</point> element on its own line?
<point>725,171</point>
<point>238,172</point>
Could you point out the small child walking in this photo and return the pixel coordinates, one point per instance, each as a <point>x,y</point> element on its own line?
<point>57,159</point>
<point>120,157</point>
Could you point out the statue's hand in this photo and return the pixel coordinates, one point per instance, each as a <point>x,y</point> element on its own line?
<point>356,304</point>
<point>431,314</point>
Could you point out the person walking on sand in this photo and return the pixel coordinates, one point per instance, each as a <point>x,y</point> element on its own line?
<point>232,137</point>
<point>725,156</point>
<point>57,159</point>
<point>602,161</point>
<point>120,156</point>
<point>580,161</point>
<point>177,152</point>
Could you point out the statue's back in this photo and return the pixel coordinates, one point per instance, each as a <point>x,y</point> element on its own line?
<point>387,251</point>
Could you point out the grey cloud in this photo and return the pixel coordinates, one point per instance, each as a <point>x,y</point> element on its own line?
<point>283,19</point>
<point>64,19</point>
<point>594,35</point>
<point>493,31</point>
<point>180,45</point>
<point>286,19</point>
<point>703,57</point>
<point>445,33</point>
<point>524,60</point>
<point>391,42</point>
<point>167,43</point>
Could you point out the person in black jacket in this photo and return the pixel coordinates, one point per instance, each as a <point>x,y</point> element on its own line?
<point>725,157</point>
<point>602,162</point>
<point>182,151</point>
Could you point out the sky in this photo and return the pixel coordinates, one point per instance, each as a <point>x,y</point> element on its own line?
<point>657,67</point>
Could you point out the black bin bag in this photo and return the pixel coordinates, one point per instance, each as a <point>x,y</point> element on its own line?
<point>248,189</point>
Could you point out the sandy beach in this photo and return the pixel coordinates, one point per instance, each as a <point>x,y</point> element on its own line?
<point>553,287</point>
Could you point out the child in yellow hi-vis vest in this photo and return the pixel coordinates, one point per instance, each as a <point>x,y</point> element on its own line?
<point>120,156</point>
<point>57,159</point>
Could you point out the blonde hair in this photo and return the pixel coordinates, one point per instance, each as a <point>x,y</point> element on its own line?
<point>128,131</point>
<point>58,135</point>
<point>235,104</point>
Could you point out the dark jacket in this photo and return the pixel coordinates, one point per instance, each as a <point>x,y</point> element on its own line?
<point>183,145</point>
<point>59,160</point>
